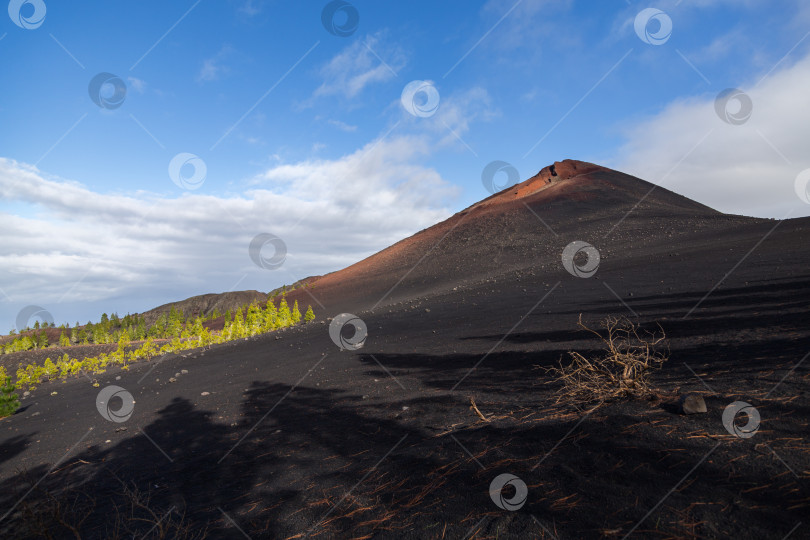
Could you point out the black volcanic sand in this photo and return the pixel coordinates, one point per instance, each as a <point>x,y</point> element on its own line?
<point>299,439</point>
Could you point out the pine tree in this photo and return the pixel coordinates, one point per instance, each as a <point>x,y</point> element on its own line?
<point>296,313</point>
<point>36,325</point>
<point>123,343</point>
<point>63,340</point>
<point>43,340</point>
<point>149,349</point>
<point>9,401</point>
<point>26,344</point>
<point>100,334</point>
<point>270,316</point>
<point>196,329</point>
<point>284,314</point>
<point>309,315</point>
<point>251,319</point>
<point>238,326</point>
<point>50,369</point>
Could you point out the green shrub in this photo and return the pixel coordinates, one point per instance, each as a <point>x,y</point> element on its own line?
<point>9,401</point>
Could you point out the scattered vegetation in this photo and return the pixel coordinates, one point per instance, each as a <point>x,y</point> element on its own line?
<point>621,370</point>
<point>173,332</point>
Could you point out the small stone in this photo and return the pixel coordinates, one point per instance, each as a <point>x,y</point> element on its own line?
<point>405,408</point>
<point>172,379</point>
<point>54,393</point>
<point>205,394</point>
<point>184,371</point>
<point>108,441</point>
<point>26,393</point>
<point>427,310</point>
<point>35,414</point>
<point>176,374</point>
<point>692,403</point>
<point>118,378</point>
<point>365,397</point>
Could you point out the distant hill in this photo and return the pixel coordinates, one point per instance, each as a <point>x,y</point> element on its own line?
<point>205,304</point>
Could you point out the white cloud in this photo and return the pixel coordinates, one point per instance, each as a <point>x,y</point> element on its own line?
<point>364,62</point>
<point>343,126</point>
<point>83,246</point>
<point>214,68</point>
<point>744,169</point>
<point>137,84</point>
<point>249,8</point>
<point>457,111</point>
<point>526,28</point>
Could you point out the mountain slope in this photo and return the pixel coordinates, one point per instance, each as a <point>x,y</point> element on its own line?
<point>513,229</point>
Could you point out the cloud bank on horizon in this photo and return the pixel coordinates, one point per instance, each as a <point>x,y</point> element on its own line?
<point>136,167</point>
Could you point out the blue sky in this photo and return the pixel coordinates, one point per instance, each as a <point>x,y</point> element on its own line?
<point>303,133</point>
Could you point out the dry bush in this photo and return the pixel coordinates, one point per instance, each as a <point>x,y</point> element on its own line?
<point>136,515</point>
<point>622,370</point>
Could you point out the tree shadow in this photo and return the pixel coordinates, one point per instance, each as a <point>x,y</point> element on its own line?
<point>306,462</point>
<point>14,445</point>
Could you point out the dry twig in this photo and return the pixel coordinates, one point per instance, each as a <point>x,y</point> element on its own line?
<point>475,408</point>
